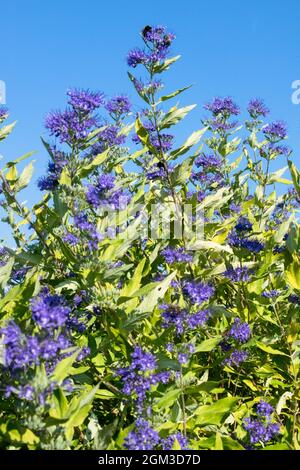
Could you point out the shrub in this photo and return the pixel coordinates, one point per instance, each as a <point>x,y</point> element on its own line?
<point>116,336</point>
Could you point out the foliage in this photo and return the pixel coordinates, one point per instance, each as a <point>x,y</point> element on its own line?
<point>116,339</point>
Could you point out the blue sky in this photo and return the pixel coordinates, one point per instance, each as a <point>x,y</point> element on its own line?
<point>243,49</point>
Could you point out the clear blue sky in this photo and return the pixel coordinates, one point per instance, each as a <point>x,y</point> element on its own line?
<point>243,49</point>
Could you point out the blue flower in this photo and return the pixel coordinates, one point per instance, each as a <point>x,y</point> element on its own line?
<point>239,331</point>
<point>118,105</point>
<point>237,240</point>
<point>223,106</point>
<point>143,437</point>
<point>236,358</point>
<point>275,131</point>
<point>168,443</point>
<point>69,126</point>
<point>257,107</point>
<point>197,292</point>
<point>264,409</point>
<point>49,311</point>
<point>243,225</point>
<point>208,161</point>
<point>259,431</point>
<point>140,375</point>
<point>239,274</point>
<point>136,57</point>
<point>85,101</point>
<point>176,255</point>
<point>270,294</point>
<point>3,112</point>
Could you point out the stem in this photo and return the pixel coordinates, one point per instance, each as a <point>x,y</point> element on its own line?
<point>183,402</point>
<point>163,159</point>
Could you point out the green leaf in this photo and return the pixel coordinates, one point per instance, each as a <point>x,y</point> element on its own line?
<point>269,349</point>
<point>25,177</point>
<point>144,136</point>
<point>20,159</point>
<point>279,446</point>
<point>6,130</point>
<point>208,344</point>
<point>295,176</point>
<point>150,301</point>
<point>135,281</point>
<point>65,177</point>
<point>168,399</point>
<point>61,404</point>
<point>98,160</point>
<point>293,240</point>
<point>141,93</point>
<point>174,116</point>
<point>60,207</point>
<point>12,174</point>
<point>292,274</point>
<point>192,140</point>
<point>62,369</point>
<point>104,394</point>
<point>182,172</point>
<point>218,442</point>
<point>5,272</point>
<point>216,412</point>
<point>231,444</point>
<point>28,437</point>
<point>276,177</point>
<point>166,64</point>
<point>172,95</point>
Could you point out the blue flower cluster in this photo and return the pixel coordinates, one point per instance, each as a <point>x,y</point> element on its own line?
<point>197,292</point>
<point>237,241</point>
<point>271,150</point>
<point>140,375</point>
<point>85,101</point>
<point>118,106</point>
<point>87,230</point>
<point>257,108</point>
<point>144,437</point>
<point>239,333</point>
<point>51,180</point>
<point>181,319</point>
<point>222,109</point>
<point>68,125</point>
<point>236,358</point>
<point>239,274</point>
<point>239,237</point>
<point>176,255</point>
<point>3,113</point>
<point>208,161</point>
<point>3,256</point>
<point>47,346</point>
<point>243,225</point>
<point>49,311</point>
<point>162,142</point>
<point>102,193</point>
<point>275,131</point>
<point>273,293</point>
<point>158,41</point>
<point>263,428</point>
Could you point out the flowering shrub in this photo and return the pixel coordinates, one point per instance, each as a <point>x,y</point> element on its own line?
<point>115,338</point>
